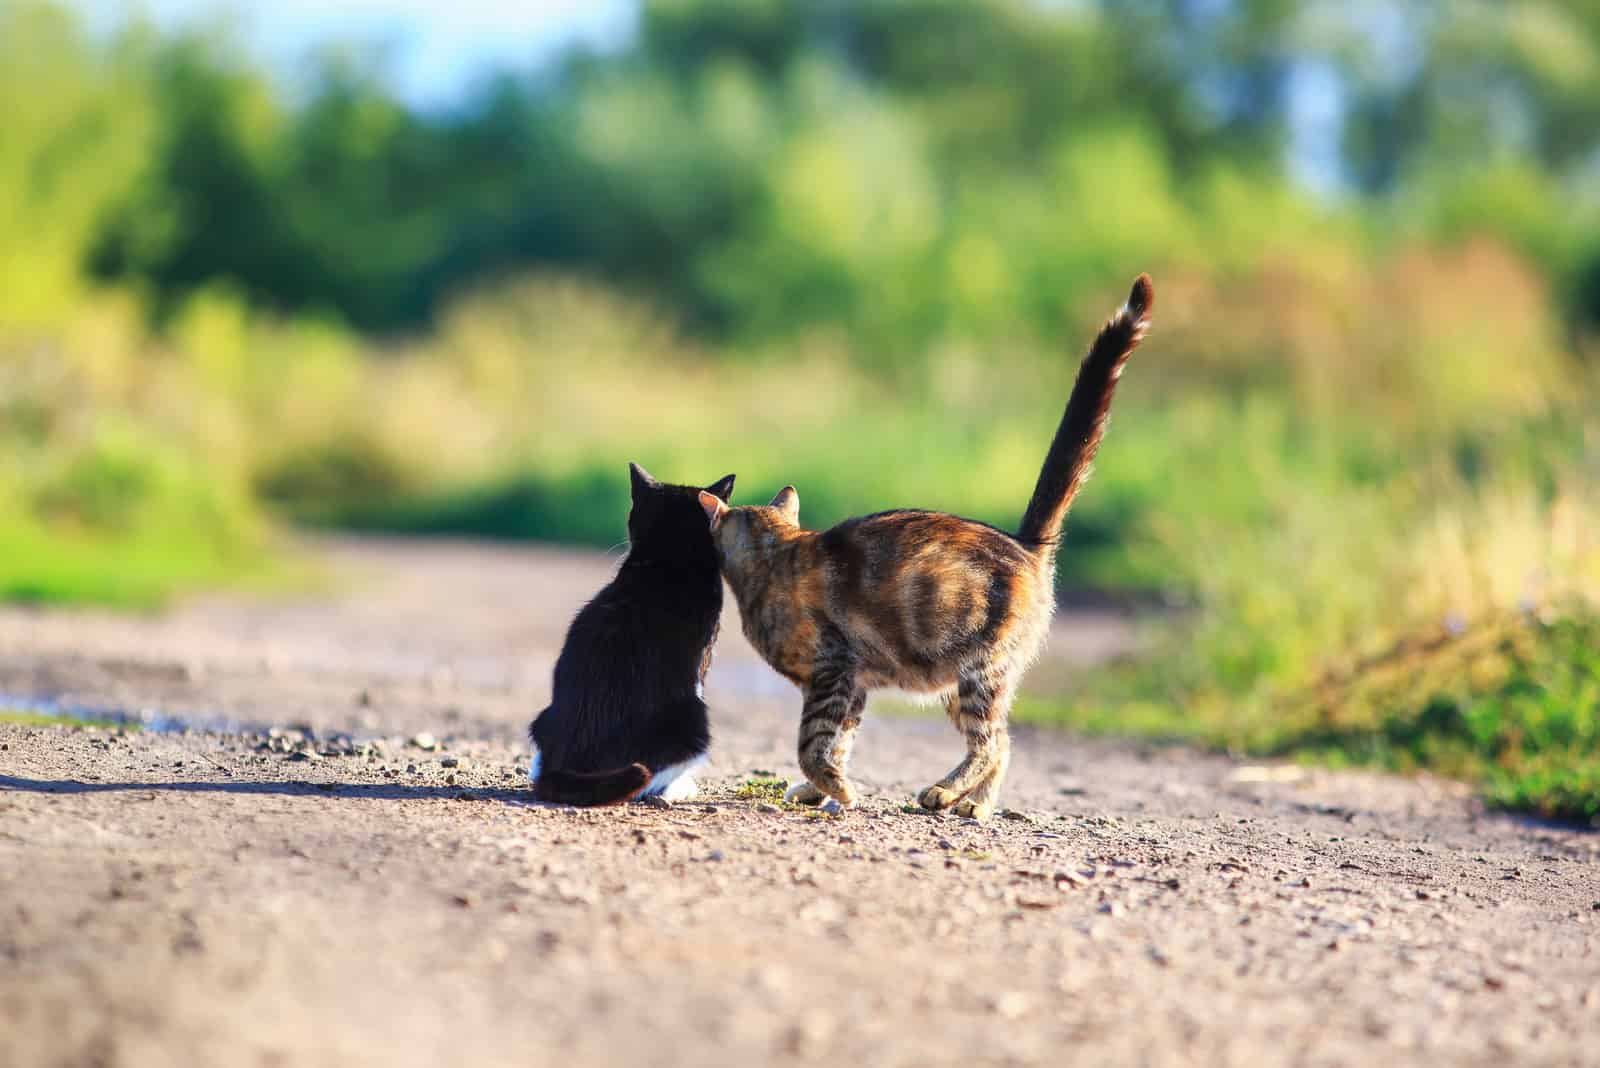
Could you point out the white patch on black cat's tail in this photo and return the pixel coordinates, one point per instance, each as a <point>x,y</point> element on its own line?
<point>675,783</point>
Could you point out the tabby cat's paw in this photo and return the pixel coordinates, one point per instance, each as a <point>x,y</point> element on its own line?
<point>803,793</point>
<point>936,798</point>
<point>978,810</point>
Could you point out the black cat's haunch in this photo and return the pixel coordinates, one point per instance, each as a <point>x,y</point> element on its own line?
<point>627,714</point>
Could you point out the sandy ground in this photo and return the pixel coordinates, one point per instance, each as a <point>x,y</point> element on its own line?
<point>336,895</point>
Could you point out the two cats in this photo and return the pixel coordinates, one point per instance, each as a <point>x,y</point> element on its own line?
<point>921,601</point>
<point>627,714</point>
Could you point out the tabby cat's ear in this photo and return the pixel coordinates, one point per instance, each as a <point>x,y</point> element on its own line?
<point>714,508</point>
<point>640,479</point>
<point>787,502</point>
<point>722,487</point>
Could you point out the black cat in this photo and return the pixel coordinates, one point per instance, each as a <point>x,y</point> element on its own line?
<point>627,715</point>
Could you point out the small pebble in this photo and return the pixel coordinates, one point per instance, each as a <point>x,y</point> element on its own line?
<point>424,741</point>
<point>768,807</point>
<point>1009,1004</point>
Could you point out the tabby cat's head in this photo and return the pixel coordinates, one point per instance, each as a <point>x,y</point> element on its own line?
<point>741,531</point>
<point>666,522</point>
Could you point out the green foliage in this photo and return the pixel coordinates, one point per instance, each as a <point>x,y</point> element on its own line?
<point>1512,703</point>
<point>77,128</point>
<point>892,168</point>
<point>41,566</point>
<point>19,718</point>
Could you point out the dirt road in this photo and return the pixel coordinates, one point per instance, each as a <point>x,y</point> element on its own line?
<point>229,897</point>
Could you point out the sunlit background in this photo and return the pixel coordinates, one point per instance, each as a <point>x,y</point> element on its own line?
<point>444,268</point>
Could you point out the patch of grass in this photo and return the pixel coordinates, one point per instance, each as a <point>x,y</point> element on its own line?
<point>1511,703</point>
<point>759,788</point>
<point>40,566</point>
<point>17,717</point>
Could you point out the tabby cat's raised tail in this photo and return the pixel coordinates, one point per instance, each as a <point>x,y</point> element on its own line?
<point>1066,466</point>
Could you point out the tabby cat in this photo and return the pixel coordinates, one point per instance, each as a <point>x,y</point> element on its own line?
<point>922,601</point>
<point>627,714</point>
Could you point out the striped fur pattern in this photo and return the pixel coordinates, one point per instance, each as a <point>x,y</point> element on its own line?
<point>919,601</point>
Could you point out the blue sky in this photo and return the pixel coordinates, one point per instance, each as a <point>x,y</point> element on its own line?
<point>434,48</point>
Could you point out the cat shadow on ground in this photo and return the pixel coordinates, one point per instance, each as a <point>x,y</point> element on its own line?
<point>299,788</point>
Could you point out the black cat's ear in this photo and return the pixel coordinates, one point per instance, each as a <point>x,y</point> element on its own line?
<point>787,502</point>
<point>722,487</point>
<point>640,479</point>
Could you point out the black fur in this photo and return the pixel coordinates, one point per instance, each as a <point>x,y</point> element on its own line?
<point>624,699</point>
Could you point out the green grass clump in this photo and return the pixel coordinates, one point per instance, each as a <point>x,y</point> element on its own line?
<point>38,566</point>
<point>1512,704</point>
<point>761,788</point>
<point>17,717</point>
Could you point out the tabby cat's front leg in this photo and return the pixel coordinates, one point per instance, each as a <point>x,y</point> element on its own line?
<point>828,725</point>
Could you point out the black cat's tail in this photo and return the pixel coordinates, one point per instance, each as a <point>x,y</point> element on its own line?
<point>1077,439</point>
<point>591,788</point>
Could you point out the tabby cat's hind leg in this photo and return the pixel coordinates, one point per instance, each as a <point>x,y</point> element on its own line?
<point>981,801</point>
<point>983,698</point>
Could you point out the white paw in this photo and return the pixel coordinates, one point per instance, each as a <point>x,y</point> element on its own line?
<point>832,807</point>
<point>674,783</point>
<point>681,789</point>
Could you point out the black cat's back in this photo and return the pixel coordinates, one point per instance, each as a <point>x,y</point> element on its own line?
<point>627,713</point>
